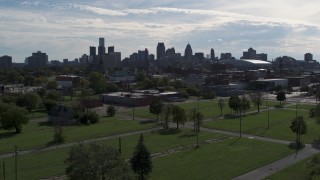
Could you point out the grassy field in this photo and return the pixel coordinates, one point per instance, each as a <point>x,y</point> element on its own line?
<point>209,108</point>
<point>280,120</point>
<point>211,159</point>
<point>39,134</point>
<point>220,160</point>
<point>296,171</point>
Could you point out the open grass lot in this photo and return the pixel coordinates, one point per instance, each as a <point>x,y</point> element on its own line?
<point>222,159</point>
<point>209,108</point>
<point>296,171</point>
<point>39,134</point>
<point>280,121</point>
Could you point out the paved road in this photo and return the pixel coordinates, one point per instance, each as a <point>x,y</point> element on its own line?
<point>36,150</point>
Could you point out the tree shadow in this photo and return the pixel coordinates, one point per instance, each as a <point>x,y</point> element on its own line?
<point>316,144</point>
<point>45,123</point>
<point>6,135</point>
<point>234,141</point>
<point>188,134</point>
<point>169,131</point>
<point>293,145</point>
<point>148,122</point>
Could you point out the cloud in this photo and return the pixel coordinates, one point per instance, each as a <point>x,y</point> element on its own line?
<point>224,25</point>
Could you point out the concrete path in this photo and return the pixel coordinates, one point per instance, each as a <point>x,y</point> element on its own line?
<point>278,165</point>
<point>48,148</point>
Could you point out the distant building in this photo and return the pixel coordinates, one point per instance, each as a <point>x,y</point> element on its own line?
<point>111,60</point>
<point>160,50</point>
<point>68,81</point>
<point>101,48</point>
<point>110,49</point>
<point>93,51</point>
<point>224,56</point>
<point>37,60</point>
<point>188,52</point>
<point>5,62</point>
<point>308,57</point>
<point>199,55</point>
<point>212,54</point>
<point>170,51</point>
<point>84,59</point>
<point>252,54</point>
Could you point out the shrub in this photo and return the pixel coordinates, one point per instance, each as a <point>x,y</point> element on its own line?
<point>89,116</point>
<point>111,111</point>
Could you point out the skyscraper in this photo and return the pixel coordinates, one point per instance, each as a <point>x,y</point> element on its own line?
<point>101,48</point>
<point>93,51</point>
<point>110,49</point>
<point>161,50</point>
<point>308,57</point>
<point>5,62</point>
<point>213,57</point>
<point>37,60</point>
<point>188,52</point>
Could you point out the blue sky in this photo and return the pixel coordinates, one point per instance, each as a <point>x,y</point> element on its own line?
<point>66,29</point>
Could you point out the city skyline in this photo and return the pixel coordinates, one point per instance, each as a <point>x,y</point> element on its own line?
<point>66,29</point>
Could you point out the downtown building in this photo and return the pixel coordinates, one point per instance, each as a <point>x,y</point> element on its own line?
<point>37,60</point>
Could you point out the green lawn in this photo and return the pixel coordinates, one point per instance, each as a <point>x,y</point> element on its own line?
<point>296,171</point>
<point>220,160</point>
<point>210,160</point>
<point>39,134</point>
<point>280,120</point>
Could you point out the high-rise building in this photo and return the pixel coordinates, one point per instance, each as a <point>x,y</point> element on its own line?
<point>101,48</point>
<point>308,57</point>
<point>110,49</point>
<point>5,62</point>
<point>93,51</point>
<point>170,51</point>
<point>225,56</point>
<point>37,60</point>
<point>161,50</point>
<point>188,52</point>
<point>199,55</point>
<point>112,60</point>
<point>213,57</point>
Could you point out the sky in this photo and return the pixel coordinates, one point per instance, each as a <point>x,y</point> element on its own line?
<point>66,29</point>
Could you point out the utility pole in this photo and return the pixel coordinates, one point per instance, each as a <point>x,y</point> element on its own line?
<point>120,145</point>
<point>268,118</point>
<point>16,161</point>
<point>240,127</point>
<point>4,170</point>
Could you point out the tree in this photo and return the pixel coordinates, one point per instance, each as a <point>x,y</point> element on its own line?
<point>221,105</point>
<point>178,115</point>
<point>299,126</point>
<point>209,95</point>
<point>244,105</point>
<point>197,119</point>
<point>141,163</point>
<point>96,161</point>
<point>167,114</point>
<point>55,95</point>
<point>234,103</point>
<point>52,85</point>
<point>49,103</point>
<point>14,118</point>
<point>256,99</point>
<point>111,111</point>
<point>97,82</point>
<point>29,100</point>
<point>313,167</point>
<point>281,96</point>
<point>156,108</point>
